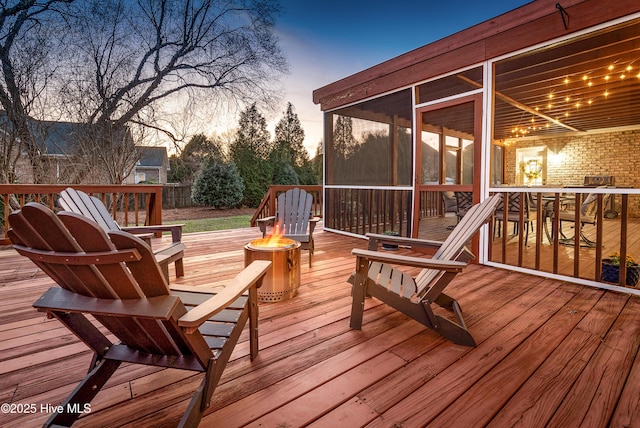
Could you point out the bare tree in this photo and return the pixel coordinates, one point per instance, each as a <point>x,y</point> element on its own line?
<point>122,63</point>
<point>132,56</point>
<point>28,30</point>
<point>103,153</point>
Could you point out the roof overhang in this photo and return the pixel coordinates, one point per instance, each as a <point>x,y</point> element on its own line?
<point>532,24</point>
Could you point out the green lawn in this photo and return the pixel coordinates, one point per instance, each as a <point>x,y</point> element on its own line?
<point>209,224</point>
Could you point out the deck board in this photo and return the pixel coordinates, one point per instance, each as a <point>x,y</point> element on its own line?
<point>549,352</point>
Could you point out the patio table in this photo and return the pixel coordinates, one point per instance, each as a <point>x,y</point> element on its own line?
<point>548,213</point>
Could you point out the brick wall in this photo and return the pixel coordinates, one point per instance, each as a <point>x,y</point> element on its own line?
<point>612,153</point>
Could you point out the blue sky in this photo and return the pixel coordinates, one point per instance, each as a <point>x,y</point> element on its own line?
<point>328,40</point>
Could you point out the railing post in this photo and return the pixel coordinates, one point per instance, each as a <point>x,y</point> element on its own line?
<point>272,201</point>
<point>154,209</point>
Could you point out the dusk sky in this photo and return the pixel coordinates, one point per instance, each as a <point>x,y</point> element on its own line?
<point>328,40</point>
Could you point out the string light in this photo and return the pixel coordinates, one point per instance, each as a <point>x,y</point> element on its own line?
<point>588,79</point>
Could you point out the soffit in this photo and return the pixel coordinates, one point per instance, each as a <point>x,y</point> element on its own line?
<point>590,83</point>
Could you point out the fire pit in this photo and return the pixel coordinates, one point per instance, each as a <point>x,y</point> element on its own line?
<point>283,278</point>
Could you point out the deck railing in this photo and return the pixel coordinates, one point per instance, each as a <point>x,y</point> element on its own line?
<point>564,240</point>
<point>268,205</point>
<point>362,211</point>
<point>129,204</point>
<point>578,252</point>
<point>431,203</point>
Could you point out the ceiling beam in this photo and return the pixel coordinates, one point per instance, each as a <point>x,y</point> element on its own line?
<point>521,106</point>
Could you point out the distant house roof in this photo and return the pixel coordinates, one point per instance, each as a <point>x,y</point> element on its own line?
<point>53,137</point>
<point>152,156</point>
<point>56,138</point>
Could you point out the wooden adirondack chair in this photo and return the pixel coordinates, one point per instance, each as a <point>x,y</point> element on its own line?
<point>79,202</point>
<point>374,275</point>
<point>114,277</point>
<point>294,218</point>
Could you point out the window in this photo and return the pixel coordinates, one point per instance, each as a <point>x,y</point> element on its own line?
<point>448,145</point>
<point>370,144</point>
<point>459,83</point>
<point>140,177</point>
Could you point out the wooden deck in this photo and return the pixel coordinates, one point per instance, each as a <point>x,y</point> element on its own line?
<point>550,354</point>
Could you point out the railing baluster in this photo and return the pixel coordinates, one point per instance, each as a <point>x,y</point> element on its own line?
<point>555,227</point>
<point>539,227</point>
<point>599,237</point>
<point>623,240</point>
<point>577,234</point>
<point>136,204</point>
<point>522,227</point>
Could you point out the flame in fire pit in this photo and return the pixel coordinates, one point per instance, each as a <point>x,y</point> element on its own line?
<point>275,240</point>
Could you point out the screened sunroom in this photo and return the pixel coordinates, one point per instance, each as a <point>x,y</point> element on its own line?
<point>528,104</point>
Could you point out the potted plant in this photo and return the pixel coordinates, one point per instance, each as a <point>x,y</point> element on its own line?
<point>611,269</point>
